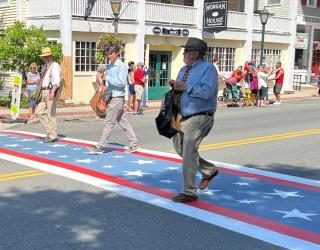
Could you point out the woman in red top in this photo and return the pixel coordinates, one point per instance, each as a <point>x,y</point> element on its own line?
<point>278,82</point>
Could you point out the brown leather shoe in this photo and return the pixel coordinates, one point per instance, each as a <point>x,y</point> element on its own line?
<point>48,140</point>
<point>206,181</point>
<point>182,198</point>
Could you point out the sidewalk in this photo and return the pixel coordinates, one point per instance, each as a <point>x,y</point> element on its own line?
<point>307,91</point>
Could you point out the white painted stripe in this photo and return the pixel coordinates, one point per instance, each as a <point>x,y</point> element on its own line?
<point>209,217</point>
<point>222,164</point>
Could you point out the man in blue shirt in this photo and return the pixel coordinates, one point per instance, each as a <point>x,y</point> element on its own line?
<point>197,82</point>
<point>116,80</point>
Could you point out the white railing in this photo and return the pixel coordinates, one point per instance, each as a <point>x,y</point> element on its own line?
<point>102,9</point>
<point>275,24</point>
<point>43,8</point>
<point>237,20</point>
<point>172,14</point>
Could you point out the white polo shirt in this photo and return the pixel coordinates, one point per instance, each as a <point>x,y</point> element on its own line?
<point>54,70</point>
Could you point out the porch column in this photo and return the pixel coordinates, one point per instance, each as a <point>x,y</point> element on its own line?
<point>19,11</point>
<point>249,10</point>
<point>139,39</point>
<point>66,41</point>
<point>288,69</point>
<point>310,52</point>
<point>199,5</point>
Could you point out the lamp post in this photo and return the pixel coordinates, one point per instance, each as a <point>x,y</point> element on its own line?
<point>116,7</point>
<point>264,15</point>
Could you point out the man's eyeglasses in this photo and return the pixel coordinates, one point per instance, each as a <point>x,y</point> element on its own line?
<point>188,50</point>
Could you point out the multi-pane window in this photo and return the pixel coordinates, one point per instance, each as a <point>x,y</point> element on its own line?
<point>225,55</point>
<point>271,56</point>
<point>273,2</point>
<point>85,56</point>
<point>312,3</point>
<point>53,42</point>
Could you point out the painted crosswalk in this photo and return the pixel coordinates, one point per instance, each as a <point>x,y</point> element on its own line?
<point>276,208</point>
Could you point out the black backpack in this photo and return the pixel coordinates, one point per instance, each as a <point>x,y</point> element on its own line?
<point>164,119</point>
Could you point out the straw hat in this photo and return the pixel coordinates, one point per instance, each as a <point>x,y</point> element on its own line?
<point>46,52</point>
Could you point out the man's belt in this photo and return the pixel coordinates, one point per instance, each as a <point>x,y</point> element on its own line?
<point>46,88</point>
<point>200,113</point>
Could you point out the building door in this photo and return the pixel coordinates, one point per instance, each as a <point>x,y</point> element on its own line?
<point>159,73</point>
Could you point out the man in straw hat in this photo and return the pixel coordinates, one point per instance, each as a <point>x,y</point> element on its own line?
<point>198,83</point>
<point>50,82</point>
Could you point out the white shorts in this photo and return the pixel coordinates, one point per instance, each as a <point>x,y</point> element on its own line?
<point>139,91</point>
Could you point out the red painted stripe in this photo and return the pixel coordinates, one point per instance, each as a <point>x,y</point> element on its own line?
<point>175,160</point>
<point>250,219</point>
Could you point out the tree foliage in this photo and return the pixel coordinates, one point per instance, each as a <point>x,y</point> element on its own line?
<point>21,46</point>
<point>104,42</point>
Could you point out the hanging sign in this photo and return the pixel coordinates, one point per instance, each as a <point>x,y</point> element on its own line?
<point>215,15</point>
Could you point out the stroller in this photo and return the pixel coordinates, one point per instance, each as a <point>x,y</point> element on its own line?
<point>232,92</point>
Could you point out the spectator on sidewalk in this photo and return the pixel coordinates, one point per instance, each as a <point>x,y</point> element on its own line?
<point>254,63</point>
<point>318,85</point>
<point>216,63</point>
<point>262,85</point>
<point>33,79</point>
<point>279,76</point>
<point>46,109</point>
<point>131,92</point>
<point>198,83</point>
<point>116,79</point>
<point>139,82</point>
<point>145,89</point>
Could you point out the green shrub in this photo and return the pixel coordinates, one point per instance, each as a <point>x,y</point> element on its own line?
<point>24,103</point>
<point>5,102</point>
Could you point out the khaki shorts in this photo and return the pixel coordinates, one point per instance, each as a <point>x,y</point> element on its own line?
<point>139,91</point>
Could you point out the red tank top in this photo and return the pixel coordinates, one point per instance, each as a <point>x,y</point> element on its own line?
<point>280,79</point>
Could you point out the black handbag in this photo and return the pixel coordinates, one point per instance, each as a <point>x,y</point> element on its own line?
<point>167,112</point>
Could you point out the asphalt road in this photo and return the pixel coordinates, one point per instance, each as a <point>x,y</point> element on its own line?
<point>52,212</point>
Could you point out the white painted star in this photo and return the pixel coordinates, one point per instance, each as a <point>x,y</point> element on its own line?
<point>58,145</point>
<point>284,195</point>
<point>26,148</point>
<point>45,152</point>
<point>76,149</point>
<point>245,201</point>
<point>167,181</point>
<point>118,156</point>
<point>241,184</point>
<point>86,161</point>
<point>3,135</point>
<point>295,213</point>
<point>142,162</point>
<point>27,140</point>
<point>12,145</point>
<point>108,166</point>
<point>63,156</point>
<point>172,168</point>
<point>209,191</point>
<point>135,173</point>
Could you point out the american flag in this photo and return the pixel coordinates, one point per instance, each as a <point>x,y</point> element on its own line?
<point>280,205</point>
